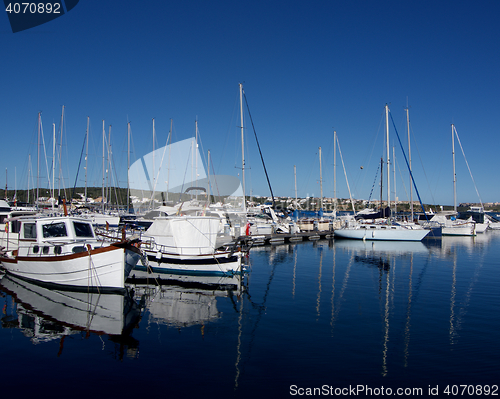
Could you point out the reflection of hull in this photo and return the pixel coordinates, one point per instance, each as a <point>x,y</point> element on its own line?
<point>219,283</point>
<point>98,313</point>
<point>183,301</point>
<point>381,233</point>
<point>382,246</point>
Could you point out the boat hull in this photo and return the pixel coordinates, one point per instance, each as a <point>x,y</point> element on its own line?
<point>459,230</point>
<point>98,269</point>
<point>221,263</point>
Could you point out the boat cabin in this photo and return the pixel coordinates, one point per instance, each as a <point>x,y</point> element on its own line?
<point>58,228</point>
<point>55,236</point>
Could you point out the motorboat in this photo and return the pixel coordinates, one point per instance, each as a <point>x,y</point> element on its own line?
<point>64,251</point>
<point>189,245</point>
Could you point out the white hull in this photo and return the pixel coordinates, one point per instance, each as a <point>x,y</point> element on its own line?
<point>187,245</point>
<point>381,232</point>
<point>216,264</point>
<point>467,229</point>
<point>104,268</point>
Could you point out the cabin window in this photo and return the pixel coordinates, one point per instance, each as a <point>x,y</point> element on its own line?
<point>15,226</point>
<point>83,229</point>
<point>54,230</point>
<point>29,230</point>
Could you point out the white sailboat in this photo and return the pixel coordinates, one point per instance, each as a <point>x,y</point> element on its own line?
<point>451,224</point>
<point>387,231</point>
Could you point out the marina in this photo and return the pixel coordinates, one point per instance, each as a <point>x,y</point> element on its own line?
<point>324,314</point>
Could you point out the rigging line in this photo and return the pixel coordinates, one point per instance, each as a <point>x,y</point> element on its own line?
<point>151,204</point>
<point>468,167</point>
<point>374,182</point>
<point>258,146</point>
<point>78,169</point>
<point>409,169</point>
<point>374,142</point>
<point>347,181</point>
<point>214,179</point>
<point>402,180</point>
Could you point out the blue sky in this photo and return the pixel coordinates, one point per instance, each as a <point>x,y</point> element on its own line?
<point>308,68</point>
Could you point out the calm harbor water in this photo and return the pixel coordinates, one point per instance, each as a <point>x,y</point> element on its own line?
<point>324,315</point>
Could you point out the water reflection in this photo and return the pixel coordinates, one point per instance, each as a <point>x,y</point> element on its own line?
<point>324,312</point>
<point>184,300</point>
<point>386,258</point>
<point>45,315</point>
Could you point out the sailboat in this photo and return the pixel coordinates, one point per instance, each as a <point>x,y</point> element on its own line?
<point>387,231</point>
<point>451,222</point>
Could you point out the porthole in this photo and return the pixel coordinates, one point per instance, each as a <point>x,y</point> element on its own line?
<point>36,248</point>
<point>45,250</point>
<point>57,250</point>
<point>78,249</point>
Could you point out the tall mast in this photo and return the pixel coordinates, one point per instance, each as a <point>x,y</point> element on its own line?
<point>295,178</point>
<point>128,167</point>
<point>38,160</point>
<point>86,157</point>
<point>381,184</point>
<point>108,169</point>
<point>60,153</point>
<point>388,157</point>
<point>394,171</point>
<point>53,161</point>
<point>151,206</point>
<point>454,174</point>
<point>208,180</point>
<point>242,149</point>
<point>29,177</point>
<point>196,157</point>
<point>5,184</point>
<point>409,161</point>
<point>169,148</point>
<point>335,173</point>
<point>320,181</point>
<point>103,163</point>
